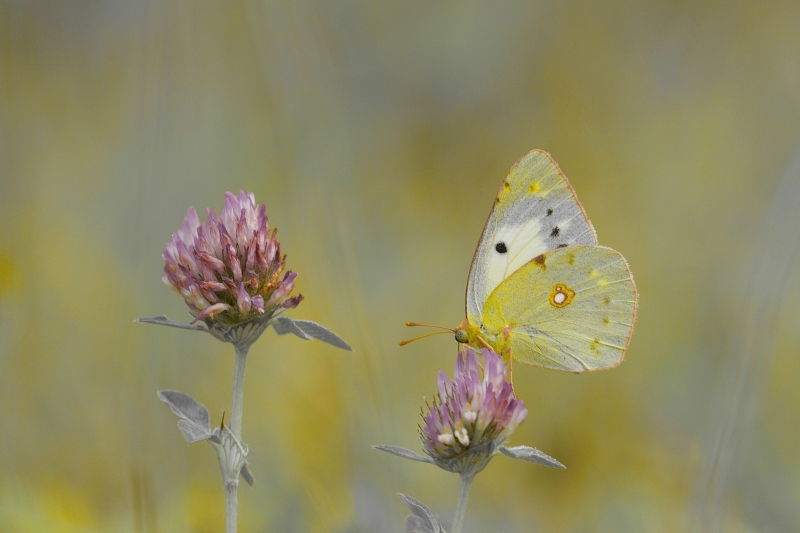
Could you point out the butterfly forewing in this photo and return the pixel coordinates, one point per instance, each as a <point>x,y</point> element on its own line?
<point>535,211</point>
<point>572,309</point>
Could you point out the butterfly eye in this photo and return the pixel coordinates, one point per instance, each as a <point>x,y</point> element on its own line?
<point>461,336</point>
<point>561,296</point>
<point>501,247</point>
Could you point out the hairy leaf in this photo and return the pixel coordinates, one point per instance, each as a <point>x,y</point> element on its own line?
<point>161,320</point>
<point>312,329</point>
<point>194,423</point>
<point>307,330</point>
<point>533,455</point>
<point>422,520</point>
<point>287,325</point>
<point>405,453</point>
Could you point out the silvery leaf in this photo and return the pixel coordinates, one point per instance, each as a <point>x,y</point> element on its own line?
<point>530,454</point>
<point>422,520</point>
<point>287,325</point>
<point>193,432</point>
<point>312,329</point>
<point>194,423</point>
<point>405,453</point>
<point>279,329</point>
<point>415,524</point>
<point>248,477</point>
<point>307,330</point>
<point>164,321</point>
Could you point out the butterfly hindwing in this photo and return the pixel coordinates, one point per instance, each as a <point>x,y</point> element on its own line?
<point>570,309</point>
<point>535,211</point>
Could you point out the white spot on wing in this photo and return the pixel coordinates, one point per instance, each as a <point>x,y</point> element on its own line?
<point>523,242</point>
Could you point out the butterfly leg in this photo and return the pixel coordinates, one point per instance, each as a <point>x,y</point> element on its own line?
<point>485,344</point>
<point>510,366</point>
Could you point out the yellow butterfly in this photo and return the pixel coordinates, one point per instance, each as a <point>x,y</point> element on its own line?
<point>540,290</point>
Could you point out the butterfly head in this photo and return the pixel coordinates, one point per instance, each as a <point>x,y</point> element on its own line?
<point>478,337</point>
<point>474,336</point>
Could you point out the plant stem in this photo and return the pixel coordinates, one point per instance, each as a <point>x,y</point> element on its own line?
<point>231,502</point>
<point>461,507</point>
<point>238,391</point>
<point>232,488</point>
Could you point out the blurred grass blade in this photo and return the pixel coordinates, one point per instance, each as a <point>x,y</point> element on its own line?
<point>775,262</point>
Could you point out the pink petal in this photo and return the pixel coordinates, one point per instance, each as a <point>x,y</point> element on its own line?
<point>210,311</point>
<point>243,299</point>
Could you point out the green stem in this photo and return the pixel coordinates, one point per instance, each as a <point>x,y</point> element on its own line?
<point>232,489</point>
<point>461,507</point>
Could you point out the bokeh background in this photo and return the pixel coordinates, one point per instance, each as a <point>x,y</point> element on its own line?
<point>377,134</point>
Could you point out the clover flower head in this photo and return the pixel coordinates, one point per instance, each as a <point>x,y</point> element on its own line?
<point>228,269</point>
<point>471,416</point>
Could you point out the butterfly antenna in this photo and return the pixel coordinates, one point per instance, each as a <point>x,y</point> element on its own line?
<point>412,324</point>
<point>403,343</point>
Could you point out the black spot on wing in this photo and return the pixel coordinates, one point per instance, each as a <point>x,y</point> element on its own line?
<point>549,212</point>
<point>561,246</point>
<point>555,232</point>
<point>501,247</point>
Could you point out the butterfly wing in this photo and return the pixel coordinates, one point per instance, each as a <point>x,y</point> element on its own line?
<point>536,210</point>
<point>571,309</point>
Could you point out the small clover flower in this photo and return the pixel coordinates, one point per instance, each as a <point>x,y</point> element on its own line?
<point>471,417</point>
<point>228,269</point>
<point>465,427</point>
<point>230,273</point>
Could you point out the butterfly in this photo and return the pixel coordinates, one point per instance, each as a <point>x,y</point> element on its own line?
<point>540,290</point>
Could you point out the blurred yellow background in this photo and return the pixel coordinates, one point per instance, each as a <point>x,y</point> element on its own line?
<point>377,134</point>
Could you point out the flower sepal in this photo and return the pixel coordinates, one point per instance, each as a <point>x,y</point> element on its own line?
<point>470,461</point>
<point>241,334</point>
<point>465,463</point>
<point>232,456</point>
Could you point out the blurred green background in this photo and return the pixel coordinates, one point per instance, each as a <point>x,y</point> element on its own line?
<point>377,134</point>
